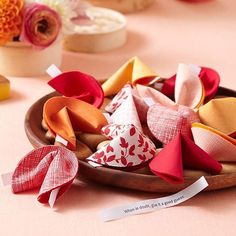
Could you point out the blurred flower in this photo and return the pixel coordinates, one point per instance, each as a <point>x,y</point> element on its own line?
<point>41,25</point>
<point>10,19</point>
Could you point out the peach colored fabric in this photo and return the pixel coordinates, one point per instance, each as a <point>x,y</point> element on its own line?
<point>218,147</point>
<point>170,32</point>
<point>189,90</point>
<point>156,96</point>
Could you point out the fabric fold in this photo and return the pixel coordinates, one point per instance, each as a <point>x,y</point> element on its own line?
<point>128,147</point>
<point>220,114</point>
<point>179,153</point>
<point>133,71</point>
<point>165,123</point>
<point>189,90</point>
<point>46,168</point>
<point>210,80</point>
<point>220,146</point>
<point>64,116</point>
<point>80,86</point>
<point>124,108</point>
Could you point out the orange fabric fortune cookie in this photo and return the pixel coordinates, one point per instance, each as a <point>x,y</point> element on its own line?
<point>65,115</point>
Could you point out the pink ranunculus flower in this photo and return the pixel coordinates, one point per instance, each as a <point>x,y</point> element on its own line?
<point>41,25</point>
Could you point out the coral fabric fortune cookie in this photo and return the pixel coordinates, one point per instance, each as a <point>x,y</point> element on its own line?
<point>133,71</point>
<point>166,123</point>
<point>210,80</point>
<point>128,147</point>
<point>182,151</point>
<point>220,114</point>
<point>65,115</point>
<point>79,85</point>
<point>47,168</point>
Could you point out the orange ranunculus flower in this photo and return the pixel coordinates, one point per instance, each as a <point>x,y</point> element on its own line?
<point>10,19</point>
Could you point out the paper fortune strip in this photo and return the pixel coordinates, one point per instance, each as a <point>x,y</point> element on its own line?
<point>154,204</point>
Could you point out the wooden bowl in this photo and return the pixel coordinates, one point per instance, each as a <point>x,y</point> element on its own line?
<point>115,177</point>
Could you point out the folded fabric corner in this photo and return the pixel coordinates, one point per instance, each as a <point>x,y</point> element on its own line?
<point>47,168</point>
<point>189,90</point>
<point>128,147</point>
<point>210,80</point>
<point>219,114</point>
<point>168,163</point>
<point>133,71</point>
<point>80,86</point>
<point>182,152</point>
<point>217,144</point>
<point>166,123</point>
<point>64,116</point>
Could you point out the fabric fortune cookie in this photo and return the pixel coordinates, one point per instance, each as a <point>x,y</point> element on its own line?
<point>210,80</point>
<point>217,144</point>
<point>220,114</point>
<point>128,147</point>
<point>47,168</point>
<point>126,108</point>
<point>189,90</point>
<point>64,116</point>
<point>133,71</point>
<point>79,85</point>
<point>165,123</point>
<point>182,152</point>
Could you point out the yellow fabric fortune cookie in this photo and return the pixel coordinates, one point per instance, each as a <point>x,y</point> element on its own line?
<point>220,114</point>
<point>133,71</point>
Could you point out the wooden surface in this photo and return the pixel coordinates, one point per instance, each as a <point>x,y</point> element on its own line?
<point>115,177</point>
<point>125,6</point>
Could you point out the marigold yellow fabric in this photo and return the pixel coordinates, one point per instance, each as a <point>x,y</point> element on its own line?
<point>133,71</point>
<point>220,114</point>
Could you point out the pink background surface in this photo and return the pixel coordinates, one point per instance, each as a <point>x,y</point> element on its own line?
<point>169,32</point>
